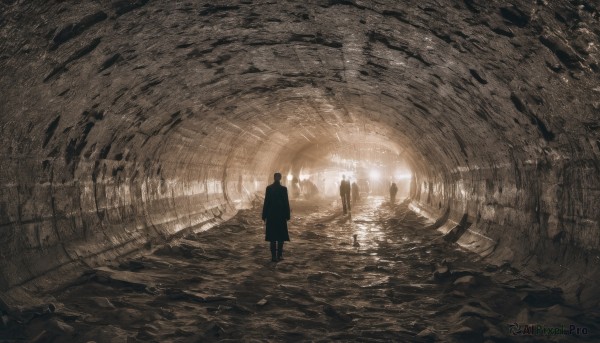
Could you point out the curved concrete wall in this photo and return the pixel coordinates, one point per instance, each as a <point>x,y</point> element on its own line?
<point>123,122</point>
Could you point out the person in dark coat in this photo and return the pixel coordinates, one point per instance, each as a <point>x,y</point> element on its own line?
<point>393,191</point>
<point>355,192</point>
<point>276,213</point>
<point>345,194</point>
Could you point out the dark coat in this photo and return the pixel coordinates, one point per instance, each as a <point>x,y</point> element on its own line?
<point>344,188</point>
<point>276,212</point>
<point>393,189</point>
<point>355,191</point>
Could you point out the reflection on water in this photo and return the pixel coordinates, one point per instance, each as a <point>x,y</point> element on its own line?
<point>361,227</point>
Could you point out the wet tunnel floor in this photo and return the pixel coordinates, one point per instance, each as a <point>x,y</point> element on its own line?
<point>396,282</point>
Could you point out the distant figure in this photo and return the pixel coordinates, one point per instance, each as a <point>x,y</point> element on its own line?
<point>276,213</point>
<point>309,189</point>
<point>393,191</point>
<point>345,194</point>
<point>295,188</point>
<point>355,192</point>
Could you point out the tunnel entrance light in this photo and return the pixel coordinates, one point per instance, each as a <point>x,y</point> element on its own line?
<point>290,177</point>
<point>304,176</point>
<point>374,174</point>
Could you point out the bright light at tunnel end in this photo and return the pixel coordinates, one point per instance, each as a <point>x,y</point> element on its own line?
<point>374,174</point>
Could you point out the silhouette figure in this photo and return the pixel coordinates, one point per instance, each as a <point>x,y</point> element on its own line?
<point>276,213</point>
<point>393,191</point>
<point>355,192</point>
<point>309,189</point>
<point>295,188</point>
<point>345,194</point>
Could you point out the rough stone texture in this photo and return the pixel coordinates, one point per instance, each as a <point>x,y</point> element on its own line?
<point>122,122</point>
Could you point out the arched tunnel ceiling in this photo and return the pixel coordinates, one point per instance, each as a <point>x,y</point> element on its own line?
<point>441,74</point>
<point>475,92</point>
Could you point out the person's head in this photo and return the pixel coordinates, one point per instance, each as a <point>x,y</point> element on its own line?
<point>343,177</point>
<point>277,177</point>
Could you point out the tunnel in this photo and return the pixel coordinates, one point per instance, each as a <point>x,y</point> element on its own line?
<point>126,124</point>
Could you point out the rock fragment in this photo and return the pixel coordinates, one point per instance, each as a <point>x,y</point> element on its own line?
<point>442,271</point>
<point>263,301</point>
<point>465,282</point>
